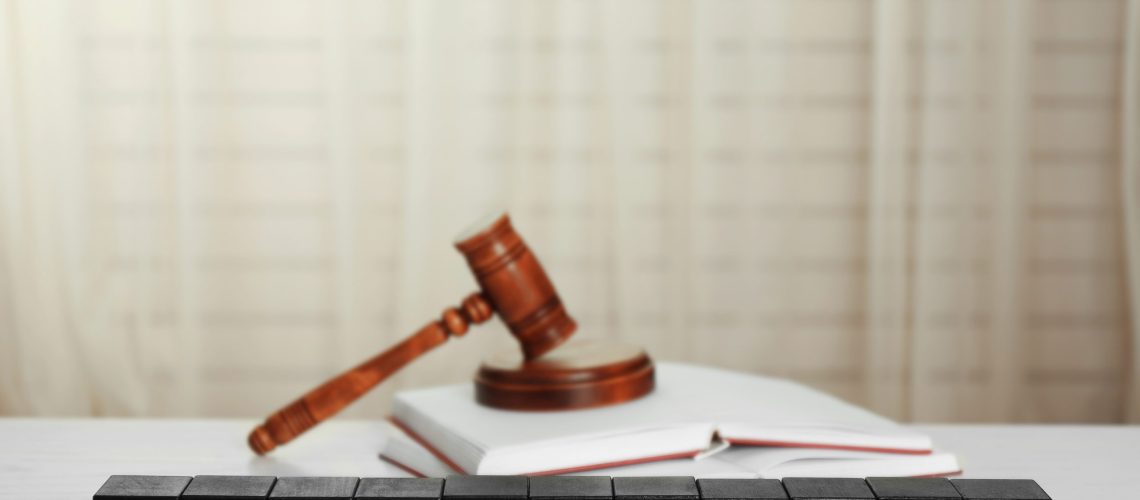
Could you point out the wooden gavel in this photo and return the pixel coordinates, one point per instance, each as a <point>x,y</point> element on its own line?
<point>513,284</point>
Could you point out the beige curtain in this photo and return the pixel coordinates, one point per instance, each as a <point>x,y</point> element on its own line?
<point>930,208</point>
<point>1130,190</point>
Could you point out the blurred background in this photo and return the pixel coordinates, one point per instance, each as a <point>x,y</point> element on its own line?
<point>931,208</point>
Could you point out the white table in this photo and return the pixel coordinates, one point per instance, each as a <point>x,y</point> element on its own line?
<point>70,459</point>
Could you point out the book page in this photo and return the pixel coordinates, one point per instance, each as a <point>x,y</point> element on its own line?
<point>685,395</point>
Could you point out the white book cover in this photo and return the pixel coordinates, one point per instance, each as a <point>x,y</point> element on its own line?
<point>691,409</point>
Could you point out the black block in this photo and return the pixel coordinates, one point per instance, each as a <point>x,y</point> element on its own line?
<point>571,488</point>
<point>142,487</point>
<point>741,489</point>
<point>913,488</point>
<point>402,488</point>
<point>656,488</point>
<point>228,487</point>
<point>829,488</point>
<point>1000,489</point>
<point>314,488</point>
<point>485,487</point>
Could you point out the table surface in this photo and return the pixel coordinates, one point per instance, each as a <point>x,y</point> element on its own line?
<point>70,458</point>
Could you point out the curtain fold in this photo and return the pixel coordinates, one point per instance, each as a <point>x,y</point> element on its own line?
<point>1011,175</point>
<point>890,224</point>
<point>1130,188</point>
<point>928,208</point>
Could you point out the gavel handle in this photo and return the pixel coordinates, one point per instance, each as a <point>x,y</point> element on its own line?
<point>334,395</point>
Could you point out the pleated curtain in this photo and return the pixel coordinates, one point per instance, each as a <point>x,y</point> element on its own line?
<point>930,208</point>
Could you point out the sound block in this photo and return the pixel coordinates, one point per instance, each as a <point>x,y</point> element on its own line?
<point>579,374</point>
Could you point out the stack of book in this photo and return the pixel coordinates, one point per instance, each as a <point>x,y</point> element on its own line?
<point>700,421</point>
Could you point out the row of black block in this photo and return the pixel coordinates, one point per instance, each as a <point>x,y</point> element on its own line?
<point>564,488</point>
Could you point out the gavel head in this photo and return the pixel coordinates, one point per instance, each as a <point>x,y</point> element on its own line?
<point>515,284</point>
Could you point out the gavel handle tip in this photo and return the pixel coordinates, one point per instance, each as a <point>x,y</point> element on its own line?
<point>261,441</point>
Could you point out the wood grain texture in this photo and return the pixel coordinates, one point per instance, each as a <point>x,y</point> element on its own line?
<point>570,377</point>
<point>334,395</point>
<point>580,374</point>
<point>516,287</point>
<point>516,284</point>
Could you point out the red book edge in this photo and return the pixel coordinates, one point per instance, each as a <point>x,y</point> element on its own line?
<point>417,473</point>
<point>687,454</point>
<point>427,446</point>
<point>581,468</point>
<point>401,466</point>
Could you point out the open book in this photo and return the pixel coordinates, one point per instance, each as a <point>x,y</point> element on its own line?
<point>743,462</point>
<point>695,411</point>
